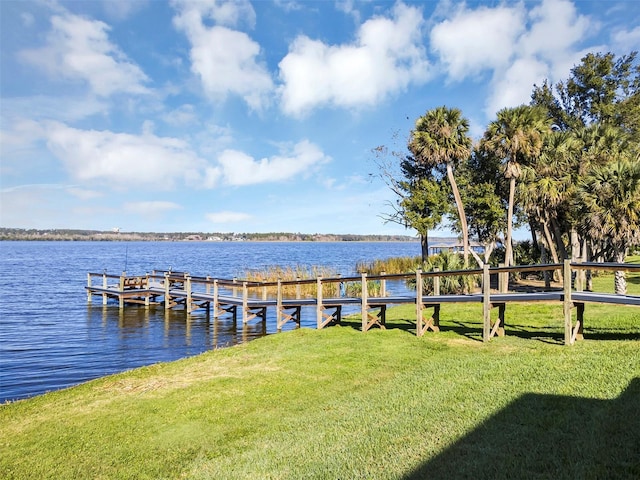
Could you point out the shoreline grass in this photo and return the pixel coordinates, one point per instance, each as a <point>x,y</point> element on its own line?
<point>337,403</point>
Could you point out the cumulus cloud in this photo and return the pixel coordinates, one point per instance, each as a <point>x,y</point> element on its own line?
<point>227,217</point>
<point>225,60</point>
<point>123,159</point>
<point>238,168</point>
<point>516,47</point>
<point>472,41</point>
<point>386,56</point>
<point>514,86</point>
<point>79,49</point>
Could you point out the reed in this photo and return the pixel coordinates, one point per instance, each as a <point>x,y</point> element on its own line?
<point>389,265</point>
<point>456,284</point>
<point>289,274</point>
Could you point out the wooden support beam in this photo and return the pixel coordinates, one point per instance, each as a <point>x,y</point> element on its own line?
<point>567,304</point>
<point>187,283</point>
<point>365,307</point>
<point>319,307</point>
<point>419,305</point>
<point>486,303</point>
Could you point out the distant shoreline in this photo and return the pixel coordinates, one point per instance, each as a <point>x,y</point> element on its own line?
<point>18,234</point>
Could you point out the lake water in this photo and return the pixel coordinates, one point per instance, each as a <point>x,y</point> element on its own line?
<point>52,338</point>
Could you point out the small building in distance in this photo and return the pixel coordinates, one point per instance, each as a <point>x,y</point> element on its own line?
<point>453,245</point>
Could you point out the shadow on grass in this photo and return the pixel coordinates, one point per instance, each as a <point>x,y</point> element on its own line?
<point>548,436</point>
<point>473,330</point>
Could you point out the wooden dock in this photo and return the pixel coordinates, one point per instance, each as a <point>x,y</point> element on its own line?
<point>251,300</point>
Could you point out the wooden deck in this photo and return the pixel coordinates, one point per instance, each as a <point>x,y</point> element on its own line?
<point>250,300</point>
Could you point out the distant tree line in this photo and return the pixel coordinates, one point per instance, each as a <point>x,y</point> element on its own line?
<point>567,166</point>
<point>97,235</point>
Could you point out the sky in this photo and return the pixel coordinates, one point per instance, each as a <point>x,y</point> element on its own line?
<point>215,116</point>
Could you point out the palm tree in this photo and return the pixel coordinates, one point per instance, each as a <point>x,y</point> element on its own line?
<point>516,136</point>
<point>609,203</point>
<point>440,139</point>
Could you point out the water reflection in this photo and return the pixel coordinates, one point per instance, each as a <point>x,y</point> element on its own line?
<point>174,329</point>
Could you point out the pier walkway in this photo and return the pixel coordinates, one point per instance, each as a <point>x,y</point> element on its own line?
<point>251,300</point>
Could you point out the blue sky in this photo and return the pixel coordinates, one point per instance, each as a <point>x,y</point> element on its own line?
<point>242,116</point>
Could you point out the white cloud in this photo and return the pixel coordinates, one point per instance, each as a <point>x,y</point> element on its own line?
<point>183,115</point>
<point>79,49</point>
<point>476,40</point>
<point>223,12</point>
<point>555,28</point>
<point>225,60</point>
<point>62,107</point>
<point>385,58</point>
<point>227,217</point>
<point>513,87</point>
<point>238,168</point>
<point>150,207</point>
<point>121,10</point>
<point>123,159</point>
<point>627,40</point>
<point>83,193</point>
<point>517,48</point>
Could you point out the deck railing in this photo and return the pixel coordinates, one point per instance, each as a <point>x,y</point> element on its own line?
<point>253,298</point>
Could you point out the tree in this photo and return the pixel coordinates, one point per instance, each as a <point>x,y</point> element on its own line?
<point>440,140</point>
<point>483,192</point>
<point>516,137</point>
<point>609,203</point>
<point>600,89</point>
<point>420,201</point>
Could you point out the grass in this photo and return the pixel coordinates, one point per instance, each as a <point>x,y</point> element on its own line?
<point>337,403</point>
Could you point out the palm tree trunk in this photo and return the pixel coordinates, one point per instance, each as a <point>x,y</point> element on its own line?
<point>620,280</point>
<point>461,214</point>
<point>424,245</point>
<point>509,248</point>
<point>558,238</point>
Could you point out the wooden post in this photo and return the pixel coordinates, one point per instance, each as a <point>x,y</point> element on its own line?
<point>167,293</point>
<point>364,303</point>
<point>503,280</point>
<point>245,302</point>
<point>120,297</point>
<point>187,283</point>
<point>104,285</point>
<point>436,282</point>
<point>486,303</point>
<point>299,288</point>
<point>216,300</point>
<point>419,304</point>
<point>567,302</point>
<point>319,306</point>
<point>279,305</point>
<point>264,292</point>
<point>383,285</point>
<point>89,288</point>
<point>235,289</point>
<point>580,277</point>
<point>207,287</point>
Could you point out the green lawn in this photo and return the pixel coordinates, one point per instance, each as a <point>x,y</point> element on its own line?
<point>340,404</point>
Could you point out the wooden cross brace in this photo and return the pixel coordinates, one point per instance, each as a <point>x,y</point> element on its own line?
<point>284,317</point>
<point>370,319</point>
<point>432,323</point>
<point>498,326</point>
<point>325,319</point>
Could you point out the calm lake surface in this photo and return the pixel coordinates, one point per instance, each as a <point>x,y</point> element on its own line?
<point>52,338</point>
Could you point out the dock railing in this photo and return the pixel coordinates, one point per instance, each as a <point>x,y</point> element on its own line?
<point>252,299</point>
